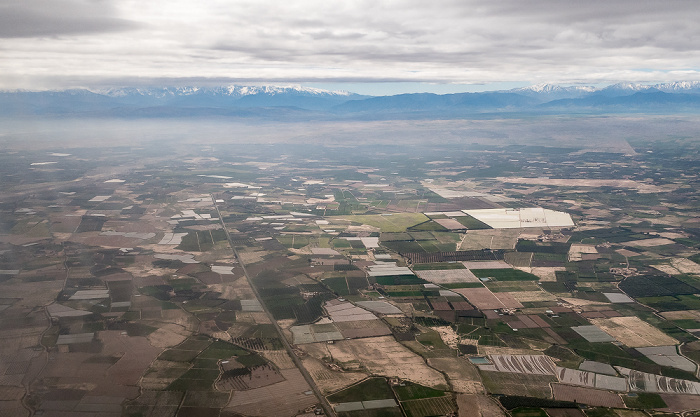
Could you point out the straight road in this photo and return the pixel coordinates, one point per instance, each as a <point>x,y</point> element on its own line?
<point>321,399</point>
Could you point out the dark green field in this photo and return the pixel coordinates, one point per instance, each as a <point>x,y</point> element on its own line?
<point>369,389</point>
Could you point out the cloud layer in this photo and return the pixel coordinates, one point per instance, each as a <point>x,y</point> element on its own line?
<point>45,43</point>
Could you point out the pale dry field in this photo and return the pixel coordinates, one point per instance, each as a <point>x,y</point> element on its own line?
<point>448,335</point>
<point>463,376</point>
<point>470,405</point>
<point>627,253</point>
<point>252,317</point>
<point>685,266</point>
<point>486,265</point>
<point>641,187</point>
<point>577,250</point>
<point>382,356</point>
<point>169,335</point>
<point>236,290</point>
<point>238,329</point>
<point>675,221</point>
<point>162,373</point>
<point>582,302</point>
<point>280,358</point>
<point>483,298</point>
<point>647,243</point>
<point>448,276</point>
<point>634,332</point>
<point>299,279</point>
<point>666,269</point>
<point>252,257</point>
<point>681,315</point>
<point>530,296</point>
<point>545,273</point>
<point>328,380</point>
<point>489,239</point>
<point>285,398</point>
<point>497,350</point>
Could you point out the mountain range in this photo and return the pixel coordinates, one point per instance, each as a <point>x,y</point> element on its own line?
<point>295,102</point>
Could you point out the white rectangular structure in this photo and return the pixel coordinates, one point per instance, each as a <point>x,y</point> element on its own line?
<point>507,218</point>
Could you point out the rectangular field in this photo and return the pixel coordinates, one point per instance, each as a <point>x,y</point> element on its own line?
<point>634,332</point>
<point>521,364</point>
<point>518,384</point>
<point>588,396</point>
<point>397,222</point>
<point>448,276</point>
<point>440,406</point>
<point>505,274</point>
<point>484,299</point>
<point>382,356</point>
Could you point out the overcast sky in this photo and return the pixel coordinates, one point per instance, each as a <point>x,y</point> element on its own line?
<point>406,45</point>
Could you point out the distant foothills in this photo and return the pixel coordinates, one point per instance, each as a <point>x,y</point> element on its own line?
<point>301,103</point>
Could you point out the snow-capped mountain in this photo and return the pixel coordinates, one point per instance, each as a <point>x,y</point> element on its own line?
<point>624,89</point>
<point>228,91</point>
<point>556,92</point>
<point>297,102</point>
<point>553,91</point>
<point>692,87</point>
<point>172,100</point>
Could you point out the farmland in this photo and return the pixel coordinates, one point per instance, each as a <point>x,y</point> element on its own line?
<point>247,282</point>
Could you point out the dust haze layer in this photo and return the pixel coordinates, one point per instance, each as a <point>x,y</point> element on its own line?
<point>596,133</point>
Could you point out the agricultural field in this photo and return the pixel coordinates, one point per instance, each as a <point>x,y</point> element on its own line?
<point>253,283</point>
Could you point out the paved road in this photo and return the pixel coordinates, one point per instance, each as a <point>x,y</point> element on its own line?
<point>321,399</point>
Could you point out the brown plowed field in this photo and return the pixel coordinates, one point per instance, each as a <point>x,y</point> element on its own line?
<point>588,396</point>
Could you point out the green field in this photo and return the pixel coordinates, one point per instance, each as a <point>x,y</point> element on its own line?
<point>369,389</point>
<point>339,285</point>
<point>428,226</point>
<point>438,266</point>
<point>472,223</point>
<point>645,401</point>
<point>400,280</point>
<point>656,286</point>
<point>519,258</point>
<point>396,222</point>
<point>528,412</point>
<point>411,391</point>
<point>201,241</point>
<point>429,407</point>
<point>404,246</point>
<point>670,303</point>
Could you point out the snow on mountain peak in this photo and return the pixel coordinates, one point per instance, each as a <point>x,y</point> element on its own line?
<point>628,86</point>
<point>230,90</point>
<point>679,86</point>
<point>554,88</point>
<point>243,90</point>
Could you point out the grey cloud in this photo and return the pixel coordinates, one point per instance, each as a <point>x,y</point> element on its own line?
<point>463,28</point>
<point>335,35</point>
<point>402,40</point>
<point>42,18</point>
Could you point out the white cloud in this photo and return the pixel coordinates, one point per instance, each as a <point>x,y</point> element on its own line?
<point>182,41</point>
